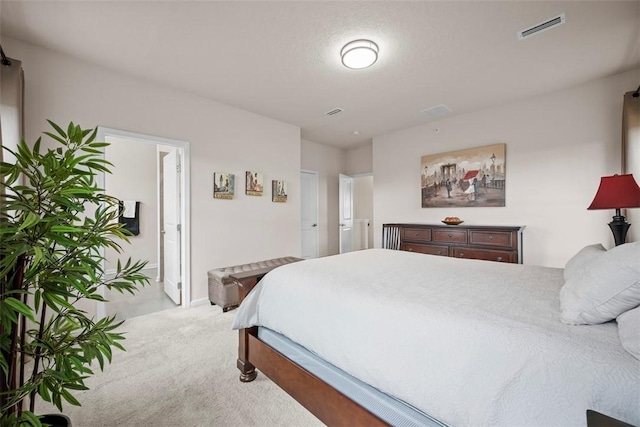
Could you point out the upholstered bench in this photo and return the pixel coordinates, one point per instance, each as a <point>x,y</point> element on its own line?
<point>223,290</point>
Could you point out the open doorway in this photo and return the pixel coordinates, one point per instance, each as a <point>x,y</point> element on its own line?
<point>150,177</point>
<point>356,212</point>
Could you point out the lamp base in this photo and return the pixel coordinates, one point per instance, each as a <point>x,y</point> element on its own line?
<point>619,227</point>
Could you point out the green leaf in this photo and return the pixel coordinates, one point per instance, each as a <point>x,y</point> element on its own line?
<point>36,146</point>
<point>93,136</point>
<point>56,302</point>
<point>31,419</point>
<point>20,307</point>
<point>57,128</point>
<point>71,130</point>
<point>99,144</point>
<point>43,391</point>
<point>30,219</point>
<point>91,150</point>
<point>56,137</point>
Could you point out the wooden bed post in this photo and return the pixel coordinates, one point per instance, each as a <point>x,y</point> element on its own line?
<point>246,281</point>
<point>247,370</point>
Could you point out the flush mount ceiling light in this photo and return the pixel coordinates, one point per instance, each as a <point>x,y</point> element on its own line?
<point>359,54</point>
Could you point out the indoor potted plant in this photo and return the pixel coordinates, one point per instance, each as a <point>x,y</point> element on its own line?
<point>55,223</point>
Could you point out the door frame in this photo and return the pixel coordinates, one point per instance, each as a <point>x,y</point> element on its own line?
<point>185,202</point>
<point>317,189</point>
<point>370,228</point>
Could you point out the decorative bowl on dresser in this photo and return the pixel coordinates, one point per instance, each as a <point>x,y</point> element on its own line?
<point>452,220</point>
<point>485,242</point>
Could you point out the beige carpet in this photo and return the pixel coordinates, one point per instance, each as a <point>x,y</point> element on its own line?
<point>180,370</point>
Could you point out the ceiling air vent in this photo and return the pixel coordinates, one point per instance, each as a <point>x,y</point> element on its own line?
<point>437,111</point>
<point>543,26</point>
<point>333,112</point>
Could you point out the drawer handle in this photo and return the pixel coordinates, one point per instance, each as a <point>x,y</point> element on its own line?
<point>450,236</point>
<point>439,252</point>
<point>499,259</point>
<point>490,237</point>
<point>461,255</point>
<point>410,249</point>
<point>416,234</point>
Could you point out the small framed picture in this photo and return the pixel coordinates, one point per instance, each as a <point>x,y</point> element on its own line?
<point>223,184</point>
<point>255,183</point>
<point>279,191</point>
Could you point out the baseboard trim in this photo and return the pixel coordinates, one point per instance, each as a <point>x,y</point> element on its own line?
<point>201,301</point>
<point>146,267</point>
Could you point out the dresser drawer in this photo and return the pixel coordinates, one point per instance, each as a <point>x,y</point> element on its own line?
<point>485,254</point>
<point>420,234</point>
<point>450,236</point>
<point>492,238</point>
<point>426,249</point>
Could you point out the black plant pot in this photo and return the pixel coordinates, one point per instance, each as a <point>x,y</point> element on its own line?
<point>56,420</point>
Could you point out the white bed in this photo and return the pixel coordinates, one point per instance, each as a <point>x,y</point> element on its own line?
<point>467,342</point>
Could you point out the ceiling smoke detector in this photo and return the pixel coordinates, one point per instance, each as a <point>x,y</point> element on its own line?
<point>437,111</point>
<point>543,26</point>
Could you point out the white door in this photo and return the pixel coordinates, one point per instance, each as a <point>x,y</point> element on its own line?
<point>309,214</point>
<point>346,213</point>
<point>171,225</point>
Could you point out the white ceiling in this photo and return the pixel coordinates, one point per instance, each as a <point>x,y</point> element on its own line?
<point>281,59</point>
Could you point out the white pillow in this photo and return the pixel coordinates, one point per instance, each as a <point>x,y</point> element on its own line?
<point>629,331</point>
<point>605,288</point>
<point>582,259</point>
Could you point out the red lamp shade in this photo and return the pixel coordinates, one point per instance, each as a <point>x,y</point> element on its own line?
<point>617,192</point>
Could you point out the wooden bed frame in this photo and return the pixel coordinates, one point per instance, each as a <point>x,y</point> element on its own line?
<point>325,402</point>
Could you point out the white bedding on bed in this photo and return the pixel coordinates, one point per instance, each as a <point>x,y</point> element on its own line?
<point>468,342</point>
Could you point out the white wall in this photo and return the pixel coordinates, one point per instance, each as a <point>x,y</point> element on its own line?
<point>223,139</point>
<point>329,162</point>
<point>360,160</point>
<point>135,177</point>
<point>363,202</point>
<point>558,147</point>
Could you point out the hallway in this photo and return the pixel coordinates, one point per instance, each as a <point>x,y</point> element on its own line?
<point>148,299</point>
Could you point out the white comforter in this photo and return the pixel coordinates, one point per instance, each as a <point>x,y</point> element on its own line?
<point>468,342</point>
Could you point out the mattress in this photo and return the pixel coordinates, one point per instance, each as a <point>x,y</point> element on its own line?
<point>468,342</point>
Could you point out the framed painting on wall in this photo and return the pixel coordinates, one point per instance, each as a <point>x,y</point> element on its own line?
<point>473,177</point>
<point>254,183</point>
<point>279,191</point>
<point>223,184</point>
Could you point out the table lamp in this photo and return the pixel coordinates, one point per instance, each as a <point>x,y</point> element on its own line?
<point>617,192</point>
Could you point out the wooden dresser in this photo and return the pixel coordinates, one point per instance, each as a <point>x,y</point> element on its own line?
<point>486,242</point>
